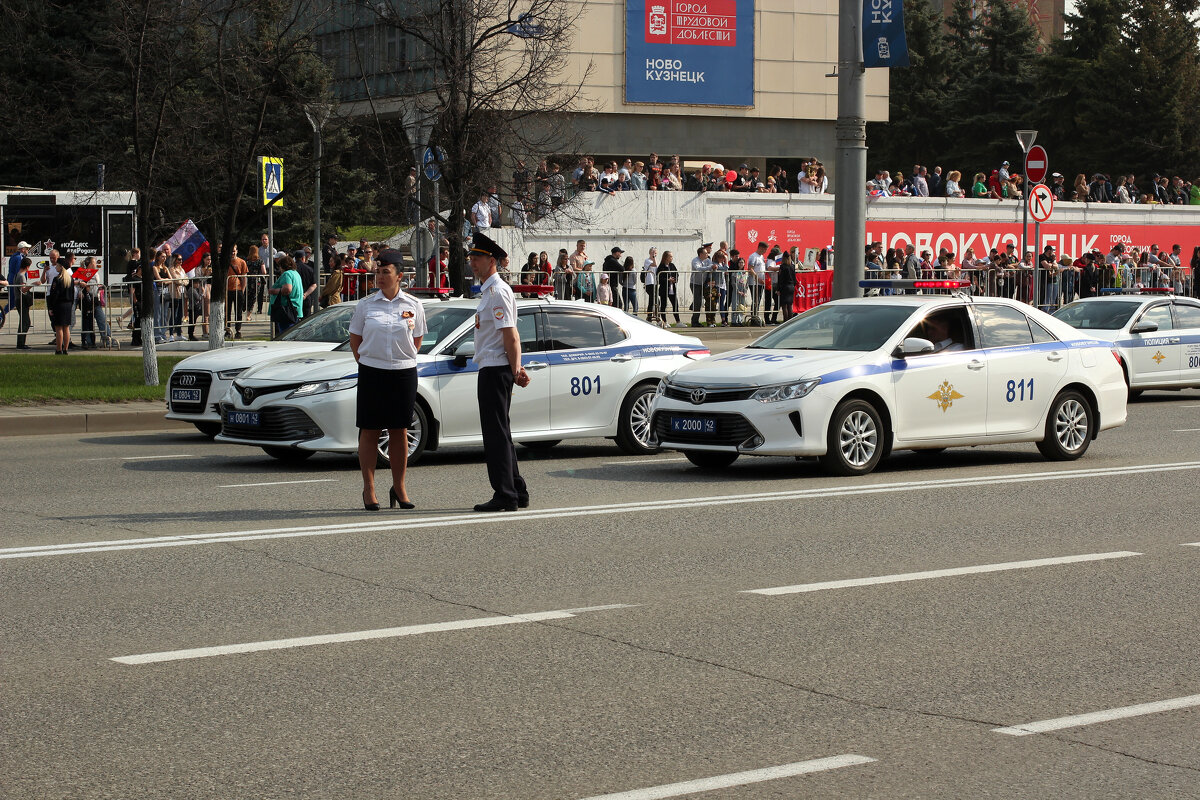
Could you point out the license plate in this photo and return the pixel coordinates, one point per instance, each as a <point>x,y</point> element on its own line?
<point>243,418</point>
<point>704,425</point>
<point>185,395</point>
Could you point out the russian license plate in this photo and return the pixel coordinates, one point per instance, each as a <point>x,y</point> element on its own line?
<point>243,418</point>
<point>185,395</point>
<point>703,425</point>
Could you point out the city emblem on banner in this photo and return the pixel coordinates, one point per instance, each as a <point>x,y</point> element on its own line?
<point>945,396</point>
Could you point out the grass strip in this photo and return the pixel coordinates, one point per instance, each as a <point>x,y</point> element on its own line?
<point>27,380</point>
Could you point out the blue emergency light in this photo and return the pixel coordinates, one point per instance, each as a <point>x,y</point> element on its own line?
<point>910,284</point>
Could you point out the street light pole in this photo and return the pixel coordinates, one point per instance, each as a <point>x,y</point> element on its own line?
<point>849,199</point>
<point>318,114</point>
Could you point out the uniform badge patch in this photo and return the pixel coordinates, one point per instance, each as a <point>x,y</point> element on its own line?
<point>407,314</point>
<point>499,314</point>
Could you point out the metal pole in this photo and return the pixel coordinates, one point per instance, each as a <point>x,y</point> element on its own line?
<point>1037,255</point>
<point>317,251</point>
<point>437,229</point>
<point>850,177</point>
<point>271,241</point>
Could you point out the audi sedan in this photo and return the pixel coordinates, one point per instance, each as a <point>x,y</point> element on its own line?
<point>852,380</point>
<point>593,369</point>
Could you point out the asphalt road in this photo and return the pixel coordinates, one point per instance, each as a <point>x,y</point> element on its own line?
<point>157,638</point>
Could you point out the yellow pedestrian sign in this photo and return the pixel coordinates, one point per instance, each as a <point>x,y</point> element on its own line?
<point>272,181</point>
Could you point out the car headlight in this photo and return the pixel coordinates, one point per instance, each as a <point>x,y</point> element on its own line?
<point>785,391</point>
<point>309,389</point>
<point>230,374</point>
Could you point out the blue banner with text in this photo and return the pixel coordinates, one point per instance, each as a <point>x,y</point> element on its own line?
<point>883,42</point>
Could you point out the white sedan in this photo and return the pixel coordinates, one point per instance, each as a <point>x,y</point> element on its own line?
<point>199,382</point>
<point>852,380</point>
<point>1158,336</point>
<point>594,371</point>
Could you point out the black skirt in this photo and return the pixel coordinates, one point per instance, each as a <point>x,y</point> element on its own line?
<point>385,398</point>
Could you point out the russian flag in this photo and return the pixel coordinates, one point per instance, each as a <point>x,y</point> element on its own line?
<point>190,243</point>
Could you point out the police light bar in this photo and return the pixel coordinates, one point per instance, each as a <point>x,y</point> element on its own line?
<point>886,284</point>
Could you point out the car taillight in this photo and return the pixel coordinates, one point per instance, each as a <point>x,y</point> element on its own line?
<point>698,353</point>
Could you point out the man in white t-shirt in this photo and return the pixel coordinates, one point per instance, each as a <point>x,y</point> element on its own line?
<point>649,270</point>
<point>481,214</point>
<point>758,267</point>
<point>701,265</point>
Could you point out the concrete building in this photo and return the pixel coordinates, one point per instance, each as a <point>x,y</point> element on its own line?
<point>720,80</point>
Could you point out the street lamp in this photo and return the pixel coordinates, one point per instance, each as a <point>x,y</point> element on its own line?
<point>1025,139</point>
<point>318,114</point>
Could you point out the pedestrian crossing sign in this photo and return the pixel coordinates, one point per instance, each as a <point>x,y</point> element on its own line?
<point>272,181</point>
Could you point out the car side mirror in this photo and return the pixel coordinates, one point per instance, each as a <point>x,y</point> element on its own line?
<point>912,346</point>
<point>463,353</point>
<point>1144,327</point>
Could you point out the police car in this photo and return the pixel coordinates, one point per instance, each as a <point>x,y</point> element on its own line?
<point>851,380</point>
<point>594,370</point>
<point>199,382</point>
<point>1157,334</point>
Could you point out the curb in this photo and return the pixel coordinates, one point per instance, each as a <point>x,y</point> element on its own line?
<point>85,422</point>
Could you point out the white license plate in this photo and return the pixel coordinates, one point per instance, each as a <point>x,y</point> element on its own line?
<point>243,418</point>
<point>185,395</point>
<point>703,425</point>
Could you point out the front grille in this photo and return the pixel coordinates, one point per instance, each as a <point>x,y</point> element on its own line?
<point>190,380</point>
<point>249,394</point>
<point>275,425</point>
<point>732,429</point>
<point>684,393</point>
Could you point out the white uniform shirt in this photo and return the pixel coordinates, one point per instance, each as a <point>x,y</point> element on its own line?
<point>387,328</point>
<point>497,310</point>
<point>758,266</point>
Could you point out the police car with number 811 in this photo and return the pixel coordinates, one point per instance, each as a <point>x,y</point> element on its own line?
<point>851,380</point>
<point>593,373</point>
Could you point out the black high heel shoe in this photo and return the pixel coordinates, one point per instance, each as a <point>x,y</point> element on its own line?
<point>394,500</point>
<point>369,506</point>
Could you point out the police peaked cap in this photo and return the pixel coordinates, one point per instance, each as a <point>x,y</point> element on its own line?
<point>481,245</point>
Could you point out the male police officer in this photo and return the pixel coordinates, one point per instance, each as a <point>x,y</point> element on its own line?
<point>498,355</point>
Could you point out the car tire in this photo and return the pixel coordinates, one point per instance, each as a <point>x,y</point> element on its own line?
<point>633,426</point>
<point>1069,427</point>
<point>418,438</point>
<point>209,429</point>
<point>1134,394</point>
<point>709,459</point>
<point>541,445</point>
<point>289,455</point>
<point>856,441</point>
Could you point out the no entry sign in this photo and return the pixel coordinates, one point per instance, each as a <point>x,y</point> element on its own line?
<point>1041,202</point>
<point>1036,164</point>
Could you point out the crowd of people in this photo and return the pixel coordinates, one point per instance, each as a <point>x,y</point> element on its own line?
<point>1003,184</point>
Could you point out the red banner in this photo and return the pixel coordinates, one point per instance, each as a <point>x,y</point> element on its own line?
<point>812,289</point>
<point>1070,239</point>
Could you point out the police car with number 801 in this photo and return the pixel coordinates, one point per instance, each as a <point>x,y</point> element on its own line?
<point>593,373</point>
<point>851,380</point>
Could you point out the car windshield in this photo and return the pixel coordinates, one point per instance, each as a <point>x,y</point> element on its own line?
<point>440,322</point>
<point>854,327</point>
<point>1105,316</point>
<point>330,325</point>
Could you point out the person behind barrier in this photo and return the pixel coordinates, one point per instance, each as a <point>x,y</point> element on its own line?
<point>60,305</point>
<point>21,300</point>
<point>385,336</point>
<point>286,296</point>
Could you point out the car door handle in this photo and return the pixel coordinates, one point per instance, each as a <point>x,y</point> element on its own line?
<point>975,365</point>
<point>1054,356</point>
<point>621,359</point>
<point>1174,340</point>
<point>536,365</point>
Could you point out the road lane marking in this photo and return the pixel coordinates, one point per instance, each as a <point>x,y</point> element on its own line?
<point>407,523</point>
<point>1187,430</point>
<point>276,483</point>
<point>939,573</point>
<point>1079,720</point>
<point>737,778</point>
<point>354,636</point>
<point>646,461</point>
<point>155,458</point>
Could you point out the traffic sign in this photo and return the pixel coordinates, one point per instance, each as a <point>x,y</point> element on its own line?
<point>271,173</point>
<point>421,245</point>
<point>1036,164</point>
<point>1041,202</point>
<point>431,163</point>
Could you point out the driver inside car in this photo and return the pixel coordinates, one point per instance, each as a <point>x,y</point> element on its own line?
<point>944,330</point>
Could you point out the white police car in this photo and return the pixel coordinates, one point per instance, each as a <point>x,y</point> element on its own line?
<point>199,382</point>
<point>851,380</point>
<point>1157,334</point>
<point>594,370</point>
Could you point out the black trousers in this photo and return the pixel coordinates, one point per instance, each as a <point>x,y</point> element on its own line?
<point>235,301</point>
<point>494,391</point>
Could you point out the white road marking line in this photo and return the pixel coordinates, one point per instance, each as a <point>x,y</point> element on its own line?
<point>354,636</point>
<point>1079,720</point>
<point>1186,430</point>
<point>737,778</point>
<point>276,483</point>
<point>646,461</point>
<point>407,523</point>
<point>154,458</point>
<point>938,573</point>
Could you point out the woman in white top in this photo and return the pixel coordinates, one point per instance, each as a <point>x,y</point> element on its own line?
<point>385,337</point>
<point>952,187</point>
<point>649,270</point>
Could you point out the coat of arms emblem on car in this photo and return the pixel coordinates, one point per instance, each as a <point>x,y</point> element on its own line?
<point>945,396</point>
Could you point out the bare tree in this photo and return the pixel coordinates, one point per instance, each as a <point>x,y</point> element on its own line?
<point>489,80</point>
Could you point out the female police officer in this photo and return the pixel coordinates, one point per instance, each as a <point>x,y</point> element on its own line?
<point>498,355</point>
<point>385,335</point>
